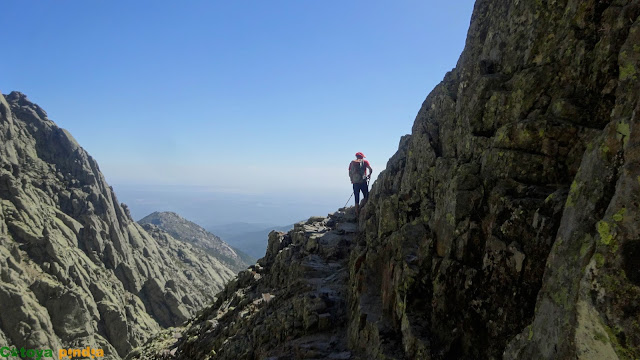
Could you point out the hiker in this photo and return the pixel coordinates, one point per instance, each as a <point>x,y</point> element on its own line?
<point>359,178</point>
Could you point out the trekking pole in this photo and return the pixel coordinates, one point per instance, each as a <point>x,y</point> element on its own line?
<point>345,204</point>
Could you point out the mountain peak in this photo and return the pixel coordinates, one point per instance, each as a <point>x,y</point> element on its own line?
<point>192,233</point>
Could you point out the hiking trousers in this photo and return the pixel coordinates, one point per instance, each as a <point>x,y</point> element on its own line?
<point>357,187</point>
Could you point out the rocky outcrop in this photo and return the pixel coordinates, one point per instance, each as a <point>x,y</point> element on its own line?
<point>169,303</point>
<point>507,223</point>
<point>292,304</point>
<point>75,269</point>
<point>189,232</point>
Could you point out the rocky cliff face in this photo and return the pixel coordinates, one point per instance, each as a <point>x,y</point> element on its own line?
<point>508,219</point>
<point>506,225</point>
<point>75,269</point>
<point>189,232</point>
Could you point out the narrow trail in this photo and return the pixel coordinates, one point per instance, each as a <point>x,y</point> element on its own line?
<point>325,271</point>
<point>291,305</point>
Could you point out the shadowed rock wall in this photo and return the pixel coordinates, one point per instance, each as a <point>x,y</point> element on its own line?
<point>509,217</point>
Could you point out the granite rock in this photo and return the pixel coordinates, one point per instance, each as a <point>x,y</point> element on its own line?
<point>75,269</point>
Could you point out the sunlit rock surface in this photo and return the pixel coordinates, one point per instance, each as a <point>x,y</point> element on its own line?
<point>189,232</point>
<point>75,269</point>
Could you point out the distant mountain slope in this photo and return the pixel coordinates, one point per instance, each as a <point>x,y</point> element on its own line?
<point>189,232</point>
<point>247,238</point>
<point>75,269</point>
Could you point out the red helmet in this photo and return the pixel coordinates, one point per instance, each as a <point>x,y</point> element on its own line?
<point>360,155</point>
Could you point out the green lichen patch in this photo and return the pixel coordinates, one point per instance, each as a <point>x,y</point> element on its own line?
<point>552,196</point>
<point>628,71</point>
<point>623,132</point>
<point>627,67</point>
<point>524,135</point>
<point>451,219</point>
<point>586,245</point>
<point>619,216</point>
<point>574,187</point>
<point>599,260</point>
<point>604,229</point>
<point>621,351</point>
<point>573,194</point>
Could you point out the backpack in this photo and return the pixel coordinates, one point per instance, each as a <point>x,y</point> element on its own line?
<point>357,171</point>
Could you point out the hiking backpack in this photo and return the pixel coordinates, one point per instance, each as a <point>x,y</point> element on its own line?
<point>357,171</point>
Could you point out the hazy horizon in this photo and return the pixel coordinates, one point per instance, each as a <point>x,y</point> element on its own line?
<point>208,208</point>
<point>262,105</point>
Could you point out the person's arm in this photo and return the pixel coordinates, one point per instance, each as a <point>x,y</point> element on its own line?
<point>370,169</point>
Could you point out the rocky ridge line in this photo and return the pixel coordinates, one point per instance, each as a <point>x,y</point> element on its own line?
<point>189,232</point>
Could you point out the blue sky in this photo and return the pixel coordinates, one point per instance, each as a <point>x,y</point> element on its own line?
<point>237,97</point>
